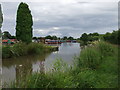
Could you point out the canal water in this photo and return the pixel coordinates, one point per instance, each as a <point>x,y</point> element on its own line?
<point>16,68</point>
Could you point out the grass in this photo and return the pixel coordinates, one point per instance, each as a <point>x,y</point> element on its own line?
<point>96,67</point>
<point>21,49</point>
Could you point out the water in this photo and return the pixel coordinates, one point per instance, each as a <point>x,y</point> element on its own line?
<point>16,68</point>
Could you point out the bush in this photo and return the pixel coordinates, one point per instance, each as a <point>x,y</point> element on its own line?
<point>21,49</point>
<point>35,48</point>
<point>6,52</point>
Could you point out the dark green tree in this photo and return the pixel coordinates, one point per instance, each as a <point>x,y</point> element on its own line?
<point>6,35</point>
<point>70,38</point>
<point>54,37</point>
<point>113,37</point>
<point>13,37</point>
<point>34,37</point>
<point>48,37</point>
<point>84,37</point>
<point>65,38</point>
<point>24,23</point>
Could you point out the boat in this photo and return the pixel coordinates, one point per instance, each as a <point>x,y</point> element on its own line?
<point>53,42</point>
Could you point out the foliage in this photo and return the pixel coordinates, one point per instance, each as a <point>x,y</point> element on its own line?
<point>70,38</point>
<point>21,49</point>
<point>35,38</point>
<point>86,38</point>
<point>6,35</point>
<point>64,38</point>
<point>51,37</point>
<point>6,52</point>
<point>24,23</point>
<point>58,38</point>
<point>112,37</point>
<point>92,69</point>
<point>89,58</point>
<point>12,37</point>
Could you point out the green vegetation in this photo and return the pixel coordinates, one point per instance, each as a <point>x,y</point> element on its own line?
<point>21,49</point>
<point>24,23</point>
<point>112,37</point>
<point>58,38</point>
<point>96,67</point>
<point>86,39</point>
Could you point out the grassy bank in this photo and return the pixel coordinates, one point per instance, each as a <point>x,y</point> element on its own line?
<point>96,67</point>
<point>21,49</point>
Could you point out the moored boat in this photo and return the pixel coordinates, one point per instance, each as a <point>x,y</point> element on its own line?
<point>53,42</point>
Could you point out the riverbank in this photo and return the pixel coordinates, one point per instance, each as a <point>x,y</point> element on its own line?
<point>22,49</point>
<point>96,67</point>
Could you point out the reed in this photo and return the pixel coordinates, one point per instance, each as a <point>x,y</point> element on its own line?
<point>94,68</point>
<point>21,49</point>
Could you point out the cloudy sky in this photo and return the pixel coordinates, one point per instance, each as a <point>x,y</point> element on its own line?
<point>65,17</point>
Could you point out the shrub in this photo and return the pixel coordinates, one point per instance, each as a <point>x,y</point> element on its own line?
<point>6,52</point>
<point>19,49</point>
<point>35,48</point>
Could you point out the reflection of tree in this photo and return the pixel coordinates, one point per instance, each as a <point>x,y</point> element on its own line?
<point>70,44</point>
<point>65,44</point>
<point>24,65</point>
<point>22,71</point>
<point>41,65</point>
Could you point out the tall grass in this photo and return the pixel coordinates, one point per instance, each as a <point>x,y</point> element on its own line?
<point>21,49</point>
<point>102,59</point>
<point>96,67</point>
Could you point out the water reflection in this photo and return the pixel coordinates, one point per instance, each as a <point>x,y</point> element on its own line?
<point>18,68</point>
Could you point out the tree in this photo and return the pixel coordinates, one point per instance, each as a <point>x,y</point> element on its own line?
<point>84,37</point>
<point>24,23</point>
<point>107,36</point>
<point>65,38</point>
<point>34,37</point>
<point>13,37</point>
<point>6,35</point>
<point>70,38</point>
<point>112,37</point>
<point>48,37</point>
<point>54,37</point>
<point>95,34</point>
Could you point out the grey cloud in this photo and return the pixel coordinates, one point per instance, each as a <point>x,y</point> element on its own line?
<point>72,18</point>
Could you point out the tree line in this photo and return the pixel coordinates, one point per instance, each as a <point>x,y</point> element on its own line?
<point>24,30</point>
<point>108,37</point>
<point>7,35</point>
<point>112,37</point>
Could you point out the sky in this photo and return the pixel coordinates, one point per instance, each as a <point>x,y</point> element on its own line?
<point>64,17</point>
